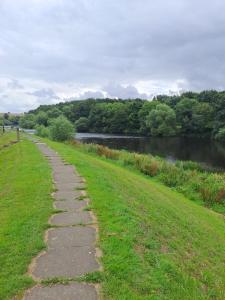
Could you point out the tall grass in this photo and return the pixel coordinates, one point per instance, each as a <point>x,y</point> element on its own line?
<point>188,177</point>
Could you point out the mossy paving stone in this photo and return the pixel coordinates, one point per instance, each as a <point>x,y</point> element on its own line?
<point>70,205</point>
<point>73,291</point>
<point>71,249</point>
<point>68,195</point>
<point>70,253</point>
<point>71,218</point>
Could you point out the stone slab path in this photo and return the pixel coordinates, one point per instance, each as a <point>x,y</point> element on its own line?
<point>71,243</point>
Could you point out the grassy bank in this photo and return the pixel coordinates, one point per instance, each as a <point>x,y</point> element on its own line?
<point>189,178</point>
<point>7,138</point>
<point>156,243</point>
<point>25,205</point>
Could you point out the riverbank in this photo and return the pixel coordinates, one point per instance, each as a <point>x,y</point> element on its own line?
<point>156,243</point>
<point>193,180</point>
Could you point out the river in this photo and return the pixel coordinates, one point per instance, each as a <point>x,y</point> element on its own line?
<point>202,150</point>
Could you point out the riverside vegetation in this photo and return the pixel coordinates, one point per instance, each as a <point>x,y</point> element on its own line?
<point>189,114</point>
<point>190,178</point>
<point>156,243</point>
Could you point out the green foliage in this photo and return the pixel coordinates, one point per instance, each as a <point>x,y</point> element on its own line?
<point>188,178</point>
<point>42,131</point>
<point>220,136</point>
<point>28,121</point>
<point>61,129</point>
<point>195,114</point>
<point>82,124</point>
<point>42,118</point>
<point>162,121</point>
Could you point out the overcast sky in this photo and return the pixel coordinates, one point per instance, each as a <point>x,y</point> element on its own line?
<point>53,50</point>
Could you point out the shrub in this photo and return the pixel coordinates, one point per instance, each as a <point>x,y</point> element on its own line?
<point>42,131</point>
<point>82,124</point>
<point>171,175</point>
<point>221,134</point>
<point>61,129</point>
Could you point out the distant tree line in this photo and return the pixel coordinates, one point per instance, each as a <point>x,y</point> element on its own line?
<point>196,114</point>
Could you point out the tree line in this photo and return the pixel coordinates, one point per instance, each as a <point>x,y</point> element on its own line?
<point>196,114</point>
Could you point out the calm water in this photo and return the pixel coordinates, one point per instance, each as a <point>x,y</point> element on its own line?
<point>202,150</point>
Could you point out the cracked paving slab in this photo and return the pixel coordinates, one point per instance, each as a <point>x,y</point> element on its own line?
<point>73,291</point>
<point>71,218</point>
<point>71,252</point>
<point>70,205</point>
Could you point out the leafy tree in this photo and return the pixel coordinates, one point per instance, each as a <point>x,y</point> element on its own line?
<point>28,121</point>
<point>184,112</point>
<point>220,136</point>
<point>82,125</point>
<point>54,113</point>
<point>202,118</point>
<point>61,129</point>
<point>162,121</point>
<point>42,118</point>
<point>42,131</point>
<point>146,108</point>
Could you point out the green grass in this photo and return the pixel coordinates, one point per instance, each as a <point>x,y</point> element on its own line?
<point>7,138</point>
<point>25,206</point>
<point>156,243</point>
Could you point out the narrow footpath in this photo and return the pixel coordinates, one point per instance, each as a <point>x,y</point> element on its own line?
<point>71,241</point>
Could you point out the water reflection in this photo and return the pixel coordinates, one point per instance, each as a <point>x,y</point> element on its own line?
<point>201,150</point>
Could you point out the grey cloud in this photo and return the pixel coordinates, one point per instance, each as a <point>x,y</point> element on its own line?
<point>117,90</point>
<point>44,93</point>
<point>14,84</point>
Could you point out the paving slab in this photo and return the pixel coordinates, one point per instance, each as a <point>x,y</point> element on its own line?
<point>70,205</point>
<point>66,262</point>
<point>65,237</point>
<point>73,291</point>
<point>70,253</point>
<point>68,195</point>
<point>71,218</point>
<point>69,186</point>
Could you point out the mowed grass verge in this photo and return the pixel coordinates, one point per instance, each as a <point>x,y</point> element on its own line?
<point>156,243</point>
<point>25,206</point>
<point>6,138</point>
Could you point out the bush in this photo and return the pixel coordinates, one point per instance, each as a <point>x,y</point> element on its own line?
<point>42,131</point>
<point>61,129</point>
<point>220,136</point>
<point>82,124</point>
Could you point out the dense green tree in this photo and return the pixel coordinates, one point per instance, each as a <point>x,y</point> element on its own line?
<point>184,112</point>
<point>61,129</point>
<point>42,131</point>
<point>162,121</point>
<point>54,113</point>
<point>146,108</point>
<point>42,118</point>
<point>220,136</point>
<point>28,121</point>
<point>82,124</point>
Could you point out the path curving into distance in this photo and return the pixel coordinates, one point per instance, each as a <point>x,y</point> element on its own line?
<point>71,242</point>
